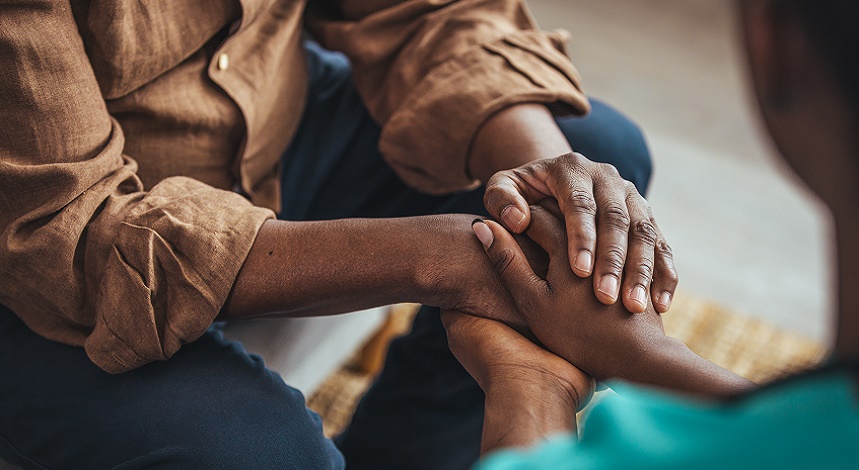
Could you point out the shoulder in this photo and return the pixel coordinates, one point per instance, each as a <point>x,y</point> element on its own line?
<point>792,425</point>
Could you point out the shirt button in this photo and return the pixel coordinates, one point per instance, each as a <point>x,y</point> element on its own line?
<point>223,61</point>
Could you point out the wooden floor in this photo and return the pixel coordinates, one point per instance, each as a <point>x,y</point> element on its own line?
<point>743,232</point>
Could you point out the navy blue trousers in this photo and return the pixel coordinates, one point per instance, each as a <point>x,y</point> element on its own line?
<point>213,405</point>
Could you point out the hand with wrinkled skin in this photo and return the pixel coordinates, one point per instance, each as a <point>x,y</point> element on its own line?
<point>611,230</point>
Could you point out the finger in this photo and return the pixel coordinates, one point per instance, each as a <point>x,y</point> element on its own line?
<point>504,198</point>
<point>573,188</point>
<point>510,264</point>
<point>638,271</point>
<point>551,205</point>
<point>534,253</point>
<point>547,231</point>
<point>612,239</point>
<point>665,277</point>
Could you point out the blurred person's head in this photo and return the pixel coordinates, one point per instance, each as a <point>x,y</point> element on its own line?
<point>804,62</point>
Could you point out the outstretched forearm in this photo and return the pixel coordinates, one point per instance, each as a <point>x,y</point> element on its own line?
<point>670,364</point>
<point>329,267</point>
<point>635,348</point>
<point>323,268</point>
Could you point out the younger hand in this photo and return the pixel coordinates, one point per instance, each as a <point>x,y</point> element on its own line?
<point>605,341</point>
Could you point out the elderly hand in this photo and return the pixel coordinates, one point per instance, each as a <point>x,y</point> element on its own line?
<point>609,225</point>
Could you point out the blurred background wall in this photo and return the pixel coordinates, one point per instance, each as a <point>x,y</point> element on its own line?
<point>745,233</point>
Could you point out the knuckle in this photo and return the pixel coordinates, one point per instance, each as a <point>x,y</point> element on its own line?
<point>574,158</point>
<point>494,196</point>
<point>629,187</point>
<point>664,249</point>
<point>644,232</point>
<point>609,170</point>
<point>583,202</point>
<point>584,237</point>
<point>613,259</point>
<point>672,277</point>
<point>576,163</point>
<point>644,271</point>
<point>615,216</point>
<point>496,179</point>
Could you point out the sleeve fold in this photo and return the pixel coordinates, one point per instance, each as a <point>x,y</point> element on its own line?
<point>87,256</point>
<point>433,72</point>
<point>168,270</point>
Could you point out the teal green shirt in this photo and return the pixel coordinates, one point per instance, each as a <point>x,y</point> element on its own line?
<point>809,422</point>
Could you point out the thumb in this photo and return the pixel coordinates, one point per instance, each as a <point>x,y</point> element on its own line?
<point>509,262</point>
<point>504,200</point>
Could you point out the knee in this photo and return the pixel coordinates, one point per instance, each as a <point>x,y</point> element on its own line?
<point>269,431</point>
<point>242,443</point>
<point>231,413</point>
<point>638,166</point>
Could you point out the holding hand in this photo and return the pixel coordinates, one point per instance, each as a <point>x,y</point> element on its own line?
<point>500,358</point>
<point>605,341</point>
<point>530,392</point>
<point>609,225</point>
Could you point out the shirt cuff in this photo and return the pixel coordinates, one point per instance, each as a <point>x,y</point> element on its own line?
<point>427,141</point>
<point>170,266</point>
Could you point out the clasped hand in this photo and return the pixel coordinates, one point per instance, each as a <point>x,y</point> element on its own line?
<point>582,336</point>
<point>604,216</point>
<point>559,212</point>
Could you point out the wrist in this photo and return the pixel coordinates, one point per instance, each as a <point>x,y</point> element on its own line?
<point>519,417</point>
<point>446,243</point>
<point>536,390</point>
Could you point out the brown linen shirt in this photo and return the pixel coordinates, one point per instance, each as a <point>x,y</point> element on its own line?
<point>126,126</point>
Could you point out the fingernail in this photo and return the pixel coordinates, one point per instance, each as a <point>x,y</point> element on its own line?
<point>484,234</point>
<point>664,300</point>
<point>608,286</point>
<point>512,217</point>
<point>583,262</point>
<point>638,295</point>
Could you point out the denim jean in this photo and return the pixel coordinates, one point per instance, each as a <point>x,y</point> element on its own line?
<point>214,405</point>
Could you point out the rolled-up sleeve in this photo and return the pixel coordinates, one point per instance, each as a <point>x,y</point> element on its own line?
<point>87,256</point>
<point>432,72</point>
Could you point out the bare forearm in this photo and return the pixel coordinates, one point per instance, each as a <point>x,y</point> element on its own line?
<point>513,137</point>
<point>672,365</point>
<point>321,268</point>
<point>646,356</point>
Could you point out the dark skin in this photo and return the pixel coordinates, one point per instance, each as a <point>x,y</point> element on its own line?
<point>520,376</point>
<point>606,219</point>
<point>603,340</point>
<point>814,130</point>
<point>532,393</point>
<point>323,268</point>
